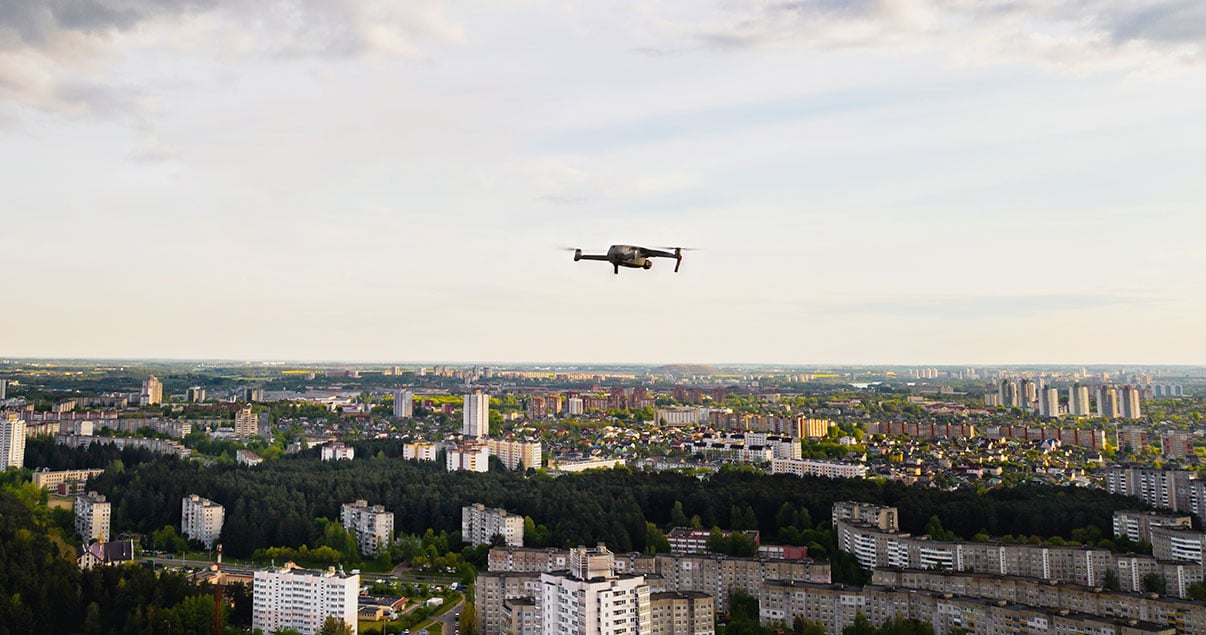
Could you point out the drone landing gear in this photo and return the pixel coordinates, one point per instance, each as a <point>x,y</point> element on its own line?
<point>617,269</point>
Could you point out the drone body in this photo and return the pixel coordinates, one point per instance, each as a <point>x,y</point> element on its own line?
<point>632,257</point>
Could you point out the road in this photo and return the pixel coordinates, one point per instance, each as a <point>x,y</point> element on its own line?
<point>450,618</point>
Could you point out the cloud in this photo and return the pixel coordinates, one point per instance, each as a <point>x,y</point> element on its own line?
<point>53,53</point>
<point>1058,31</point>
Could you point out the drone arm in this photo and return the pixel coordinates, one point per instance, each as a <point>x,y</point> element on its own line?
<point>590,257</point>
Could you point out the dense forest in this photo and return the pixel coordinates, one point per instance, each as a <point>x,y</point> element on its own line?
<point>42,590</point>
<point>274,504</point>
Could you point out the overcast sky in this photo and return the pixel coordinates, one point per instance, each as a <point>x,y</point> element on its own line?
<point>893,181</point>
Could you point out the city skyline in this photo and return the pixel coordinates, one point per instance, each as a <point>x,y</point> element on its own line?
<point>895,183</point>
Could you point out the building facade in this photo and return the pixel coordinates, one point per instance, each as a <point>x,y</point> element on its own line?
<point>12,443</point>
<point>476,415</point>
<point>338,452</point>
<point>201,519</point>
<point>515,453</point>
<point>372,526</point>
<point>404,403</point>
<point>591,599</point>
<point>470,457</point>
<point>302,599</point>
<point>479,525</point>
<point>152,391</point>
<point>92,513</point>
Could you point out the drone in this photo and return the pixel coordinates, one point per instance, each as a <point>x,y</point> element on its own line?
<point>633,257</point>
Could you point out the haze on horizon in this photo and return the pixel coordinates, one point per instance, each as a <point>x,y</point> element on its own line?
<point>871,182</point>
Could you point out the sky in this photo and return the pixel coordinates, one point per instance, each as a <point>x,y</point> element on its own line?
<point>865,181</point>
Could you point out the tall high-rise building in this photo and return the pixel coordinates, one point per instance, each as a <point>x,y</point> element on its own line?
<point>152,391</point>
<point>404,403</point>
<point>1129,402</point>
<point>1007,393</point>
<point>1078,401</point>
<point>1027,394</point>
<point>196,394</point>
<point>1048,402</point>
<point>12,443</point>
<point>301,599</point>
<point>372,526</point>
<point>92,514</point>
<point>592,600</point>
<point>247,422</point>
<point>470,457</point>
<point>3,389</point>
<point>1107,402</point>
<point>477,414</point>
<point>201,519</point>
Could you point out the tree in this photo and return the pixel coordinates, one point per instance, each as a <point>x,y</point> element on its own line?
<point>860,626</point>
<point>801,626</point>
<point>1154,583</point>
<point>468,620</point>
<point>678,517</point>
<point>335,626</point>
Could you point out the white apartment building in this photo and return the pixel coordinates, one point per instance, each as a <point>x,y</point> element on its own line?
<point>338,452</point>
<point>201,519</point>
<point>479,524</point>
<point>513,453</point>
<point>92,514</point>
<point>574,406</point>
<point>1137,525</point>
<point>592,600</point>
<point>152,391</point>
<point>473,457</point>
<point>303,599</point>
<point>477,415</point>
<point>12,443</point>
<point>247,422</point>
<point>419,451</point>
<point>404,403</point>
<point>372,526</point>
<point>809,467</point>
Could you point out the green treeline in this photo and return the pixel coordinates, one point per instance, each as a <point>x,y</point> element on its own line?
<point>43,591</point>
<point>275,504</point>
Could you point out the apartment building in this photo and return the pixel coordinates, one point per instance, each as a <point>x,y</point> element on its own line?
<point>247,422</point>
<point>404,403</point>
<point>688,540</point>
<point>92,513</point>
<point>873,548</point>
<point>495,589</point>
<point>12,443</point>
<point>1177,543</point>
<point>1136,525</point>
<point>201,519</point>
<point>372,526</point>
<point>479,525</point>
<point>515,453</point>
<point>811,467</point>
<point>1185,616</point>
<point>338,452</point>
<point>880,516</point>
<point>419,451</point>
<point>592,599</point>
<point>682,613</point>
<point>470,457</point>
<point>836,606</point>
<point>513,571</point>
<point>1161,489</point>
<point>302,599</point>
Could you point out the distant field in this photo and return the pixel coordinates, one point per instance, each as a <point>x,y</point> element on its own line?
<point>63,502</point>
